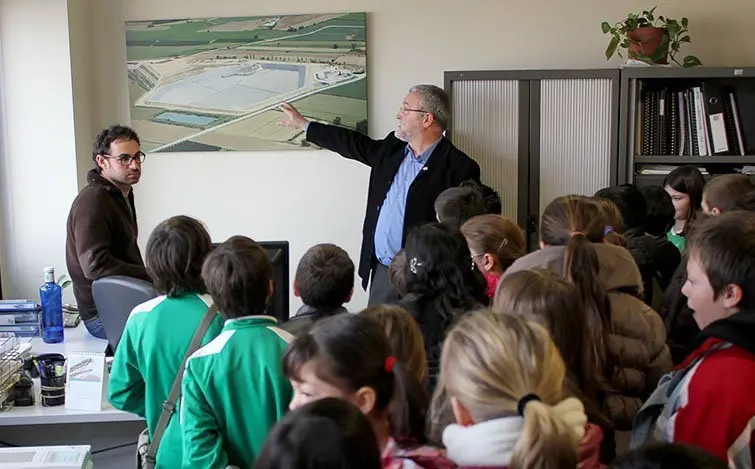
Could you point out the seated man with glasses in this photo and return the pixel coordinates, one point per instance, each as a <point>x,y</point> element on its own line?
<point>410,168</point>
<point>101,230</point>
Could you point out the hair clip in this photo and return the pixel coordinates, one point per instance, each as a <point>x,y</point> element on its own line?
<point>390,362</point>
<point>413,264</point>
<point>608,229</point>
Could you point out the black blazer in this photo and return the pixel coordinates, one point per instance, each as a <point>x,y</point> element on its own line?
<point>447,167</point>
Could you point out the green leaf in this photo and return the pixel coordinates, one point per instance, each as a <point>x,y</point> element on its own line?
<point>606,27</point>
<point>684,23</point>
<point>692,61</point>
<point>685,39</point>
<point>673,28</point>
<point>611,49</point>
<point>662,49</point>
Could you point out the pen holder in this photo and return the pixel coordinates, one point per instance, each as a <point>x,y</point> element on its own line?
<point>52,379</point>
<point>53,391</point>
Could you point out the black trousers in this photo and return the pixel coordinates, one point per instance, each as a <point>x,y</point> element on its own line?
<point>381,290</point>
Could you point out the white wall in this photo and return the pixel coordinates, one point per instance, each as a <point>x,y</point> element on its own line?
<point>310,197</point>
<point>38,165</point>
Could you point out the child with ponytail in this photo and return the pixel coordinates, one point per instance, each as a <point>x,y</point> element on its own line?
<point>549,299</point>
<point>627,338</point>
<point>504,378</point>
<point>348,356</point>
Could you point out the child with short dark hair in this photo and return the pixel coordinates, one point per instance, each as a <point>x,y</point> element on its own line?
<point>490,196</point>
<point>456,205</point>
<point>147,358</point>
<point>660,218</point>
<point>348,356</point>
<point>324,281</point>
<point>707,400</point>
<point>668,456</point>
<point>633,208</point>
<point>722,193</point>
<point>329,433</point>
<point>234,389</point>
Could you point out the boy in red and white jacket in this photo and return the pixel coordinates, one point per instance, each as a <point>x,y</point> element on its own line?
<point>707,401</point>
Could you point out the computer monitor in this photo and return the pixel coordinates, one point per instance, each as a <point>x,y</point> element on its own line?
<point>278,304</point>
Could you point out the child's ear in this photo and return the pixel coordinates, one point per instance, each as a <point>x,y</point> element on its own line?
<point>731,295</point>
<point>715,211</point>
<point>365,398</point>
<point>488,262</point>
<point>296,290</point>
<point>461,413</point>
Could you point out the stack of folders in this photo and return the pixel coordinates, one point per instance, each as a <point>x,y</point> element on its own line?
<point>662,170</point>
<point>20,317</point>
<point>703,120</point>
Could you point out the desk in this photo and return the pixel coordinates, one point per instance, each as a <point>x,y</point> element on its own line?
<point>41,426</point>
<point>76,339</point>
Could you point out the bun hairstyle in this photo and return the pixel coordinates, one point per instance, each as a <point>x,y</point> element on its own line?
<point>577,222</point>
<point>500,365</point>
<point>351,351</point>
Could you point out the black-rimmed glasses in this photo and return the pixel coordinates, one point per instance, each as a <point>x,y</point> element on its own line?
<point>125,159</point>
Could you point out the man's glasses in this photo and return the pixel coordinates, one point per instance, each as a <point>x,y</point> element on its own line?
<point>406,109</point>
<point>126,159</point>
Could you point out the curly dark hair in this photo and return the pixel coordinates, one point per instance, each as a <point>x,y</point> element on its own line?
<point>101,144</point>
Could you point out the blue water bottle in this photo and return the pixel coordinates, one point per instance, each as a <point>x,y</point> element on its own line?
<point>51,297</point>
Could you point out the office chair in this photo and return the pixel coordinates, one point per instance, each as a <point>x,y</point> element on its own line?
<point>114,297</point>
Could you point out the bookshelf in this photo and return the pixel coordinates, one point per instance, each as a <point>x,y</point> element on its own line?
<point>703,116</point>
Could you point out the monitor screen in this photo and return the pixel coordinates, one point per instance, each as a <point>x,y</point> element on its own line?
<point>278,304</point>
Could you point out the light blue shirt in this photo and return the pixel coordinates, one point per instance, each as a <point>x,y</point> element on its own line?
<point>390,224</point>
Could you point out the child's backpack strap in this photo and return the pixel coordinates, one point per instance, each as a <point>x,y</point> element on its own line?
<point>646,418</point>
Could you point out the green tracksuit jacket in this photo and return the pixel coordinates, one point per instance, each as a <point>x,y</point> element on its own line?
<point>146,361</point>
<point>234,391</point>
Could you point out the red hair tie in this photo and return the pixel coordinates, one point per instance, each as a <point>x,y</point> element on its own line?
<point>390,362</point>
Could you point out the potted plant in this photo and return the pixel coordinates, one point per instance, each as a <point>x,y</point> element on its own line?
<point>650,39</point>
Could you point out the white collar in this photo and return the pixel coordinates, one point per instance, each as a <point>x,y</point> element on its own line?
<point>244,318</point>
<point>491,443</point>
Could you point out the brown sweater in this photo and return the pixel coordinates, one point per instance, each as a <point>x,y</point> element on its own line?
<point>101,237</point>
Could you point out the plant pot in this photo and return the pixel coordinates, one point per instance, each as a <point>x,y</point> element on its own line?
<point>644,42</point>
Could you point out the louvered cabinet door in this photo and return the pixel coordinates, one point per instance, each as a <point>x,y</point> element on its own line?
<point>485,125</point>
<point>573,136</point>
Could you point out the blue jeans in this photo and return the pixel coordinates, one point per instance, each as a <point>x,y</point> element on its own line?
<point>94,326</point>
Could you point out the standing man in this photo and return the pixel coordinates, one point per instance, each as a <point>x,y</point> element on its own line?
<point>410,167</point>
<point>101,230</point>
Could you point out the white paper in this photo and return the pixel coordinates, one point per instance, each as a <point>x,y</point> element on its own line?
<point>85,381</point>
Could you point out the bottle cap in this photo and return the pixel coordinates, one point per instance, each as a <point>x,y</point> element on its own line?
<point>49,270</point>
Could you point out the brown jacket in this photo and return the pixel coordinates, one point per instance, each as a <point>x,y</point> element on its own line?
<point>637,337</point>
<point>101,239</point>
